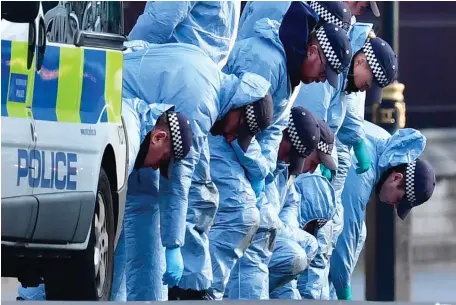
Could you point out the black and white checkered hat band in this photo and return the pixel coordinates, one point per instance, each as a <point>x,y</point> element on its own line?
<point>330,55</point>
<point>410,183</point>
<point>251,119</point>
<point>294,137</point>
<point>325,147</point>
<point>178,149</point>
<point>377,70</point>
<point>325,14</point>
<point>321,222</point>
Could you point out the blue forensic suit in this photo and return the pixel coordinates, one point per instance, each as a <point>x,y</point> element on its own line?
<point>184,76</point>
<point>256,10</point>
<point>249,279</point>
<point>233,170</point>
<point>32,293</point>
<point>339,110</point>
<point>344,114</point>
<point>350,130</point>
<point>140,211</point>
<point>210,25</point>
<point>386,151</point>
<point>291,252</point>
<point>311,197</point>
<point>293,244</point>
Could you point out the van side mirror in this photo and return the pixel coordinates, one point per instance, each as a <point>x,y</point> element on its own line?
<point>20,11</point>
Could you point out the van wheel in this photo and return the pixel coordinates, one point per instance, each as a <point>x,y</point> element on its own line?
<point>88,274</point>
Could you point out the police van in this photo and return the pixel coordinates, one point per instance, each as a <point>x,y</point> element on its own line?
<point>64,148</point>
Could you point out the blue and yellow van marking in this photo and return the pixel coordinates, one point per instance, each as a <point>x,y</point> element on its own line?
<point>75,85</point>
<point>46,83</point>
<point>69,90</point>
<point>92,93</point>
<point>17,106</point>
<point>18,82</point>
<point>6,57</point>
<point>113,92</point>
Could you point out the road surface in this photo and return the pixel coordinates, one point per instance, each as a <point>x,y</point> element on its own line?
<point>436,284</point>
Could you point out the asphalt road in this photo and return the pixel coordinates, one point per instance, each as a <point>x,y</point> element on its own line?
<point>434,283</point>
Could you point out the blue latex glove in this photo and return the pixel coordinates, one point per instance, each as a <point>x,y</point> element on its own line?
<point>258,187</point>
<point>345,294</point>
<point>174,267</point>
<point>326,172</point>
<point>364,160</point>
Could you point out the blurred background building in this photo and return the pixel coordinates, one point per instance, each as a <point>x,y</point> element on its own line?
<point>426,65</point>
<point>426,61</point>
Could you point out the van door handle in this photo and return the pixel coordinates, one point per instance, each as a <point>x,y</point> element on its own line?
<point>33,132</point>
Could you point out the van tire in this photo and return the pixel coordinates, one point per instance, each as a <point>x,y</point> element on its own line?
<point>80,279</point>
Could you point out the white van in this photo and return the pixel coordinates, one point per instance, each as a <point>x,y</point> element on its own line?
<point>64,147</point>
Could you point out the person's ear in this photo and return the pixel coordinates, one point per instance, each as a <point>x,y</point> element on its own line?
<point>398,177</point>
<point>312,50</point>
<point>360,60</point>
<point>159,135</point>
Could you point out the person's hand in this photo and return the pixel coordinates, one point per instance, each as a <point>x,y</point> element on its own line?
<point>326,172</point>
<point>258,187</point>
<point>345,294</point>
<point>364,160</point>
<point>174,267</point>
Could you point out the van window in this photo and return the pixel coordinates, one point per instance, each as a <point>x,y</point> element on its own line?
<point>64,18</point>
<point>19,11</point>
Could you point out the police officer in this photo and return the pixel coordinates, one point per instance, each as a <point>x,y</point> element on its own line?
<point>157,137</point>
<point>397,176</point>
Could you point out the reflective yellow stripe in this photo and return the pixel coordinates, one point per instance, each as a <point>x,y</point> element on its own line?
<point>18,65</point>
<point>113,85</point>
<point>71,70</point>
